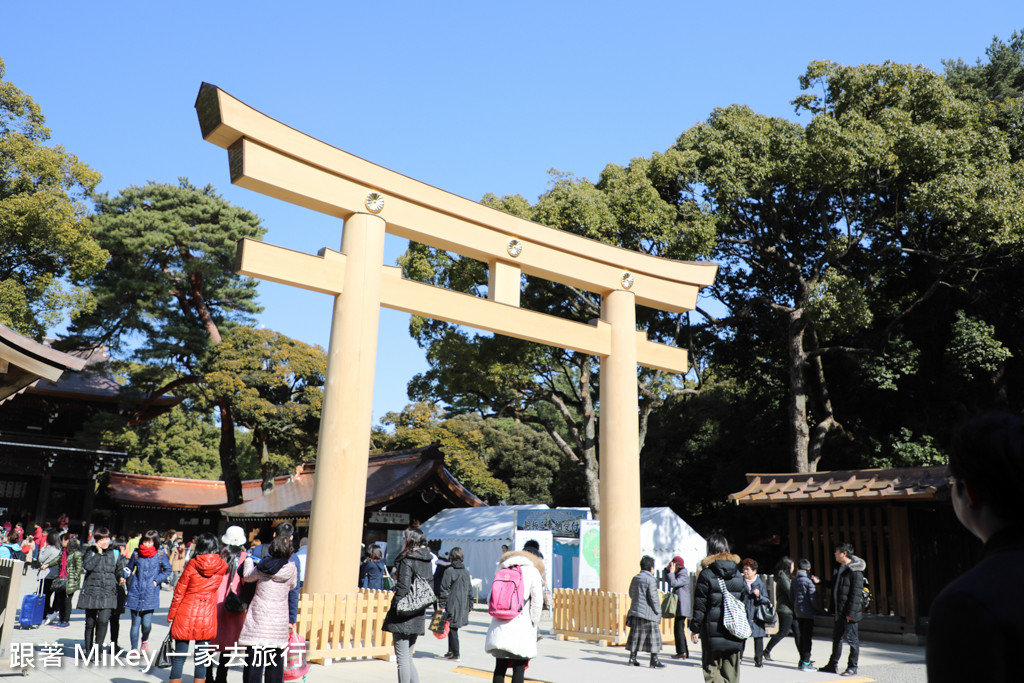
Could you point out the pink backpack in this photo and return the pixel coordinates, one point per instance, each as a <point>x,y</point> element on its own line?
<point>507,596</point>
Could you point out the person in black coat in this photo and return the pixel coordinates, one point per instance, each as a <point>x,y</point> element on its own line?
<point>720,650</point>
<point>413,561</point>
<point>847,600</point>
<point>975,624</point>
<point>784,606</point>
<point>456,598</point>
<point>98,596</point>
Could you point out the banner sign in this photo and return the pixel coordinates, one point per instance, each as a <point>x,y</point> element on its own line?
<point>561,523</point>
<point>590,554</point>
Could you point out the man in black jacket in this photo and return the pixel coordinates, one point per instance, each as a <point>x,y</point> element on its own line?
<point>975,626</point>
<point>847,600</point>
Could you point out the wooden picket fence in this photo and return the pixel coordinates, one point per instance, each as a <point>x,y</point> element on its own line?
<point>345,625</point>
<point>596,616</point>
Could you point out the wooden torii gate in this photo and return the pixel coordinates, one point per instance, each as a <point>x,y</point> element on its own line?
<point>269,157</point>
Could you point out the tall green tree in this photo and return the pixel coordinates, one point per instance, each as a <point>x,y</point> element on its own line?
<point>461,441</point>
<point>833,236</point>
<point>46,246</point>
<point>275,385</point>
<point>170,293</point>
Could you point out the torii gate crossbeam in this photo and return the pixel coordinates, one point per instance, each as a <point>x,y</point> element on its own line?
<point>269,157</point>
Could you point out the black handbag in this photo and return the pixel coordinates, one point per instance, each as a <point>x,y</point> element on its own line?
<point>59,584</point>
<point>163,657</point>
<point>766,614</point>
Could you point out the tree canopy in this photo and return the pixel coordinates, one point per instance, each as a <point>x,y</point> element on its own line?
<point>48,246</point>
<point>170,292</point>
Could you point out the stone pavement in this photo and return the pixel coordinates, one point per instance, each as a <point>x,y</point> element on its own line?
<point>558,661</point>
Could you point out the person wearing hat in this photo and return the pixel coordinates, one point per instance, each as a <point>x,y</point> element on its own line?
<point>229,624</point>
<point>679,581</point>
<point>148,567</point>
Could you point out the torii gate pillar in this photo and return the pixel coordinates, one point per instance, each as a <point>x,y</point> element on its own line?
<point>619,480</point>
<point>339,489</point>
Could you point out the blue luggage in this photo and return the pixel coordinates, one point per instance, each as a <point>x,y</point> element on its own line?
<point>32,607</point>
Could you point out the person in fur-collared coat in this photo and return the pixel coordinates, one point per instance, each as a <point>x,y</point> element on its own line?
<point>513,642</point>
<point>720,651</point>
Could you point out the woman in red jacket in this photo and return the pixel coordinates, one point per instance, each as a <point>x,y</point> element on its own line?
<point>193,612</point>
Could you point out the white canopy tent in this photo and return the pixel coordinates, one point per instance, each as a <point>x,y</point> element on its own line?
<point>480,532</point>
<point>664,534</point>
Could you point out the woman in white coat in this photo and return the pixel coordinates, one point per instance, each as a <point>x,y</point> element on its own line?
<point>513,642</point>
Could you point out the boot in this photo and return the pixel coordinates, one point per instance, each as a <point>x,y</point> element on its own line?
<point>655,662</point>
<point>632,660</point>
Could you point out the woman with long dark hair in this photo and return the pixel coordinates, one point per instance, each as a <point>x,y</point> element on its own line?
<point>720,650</point>
<point>413,561</point>
<point>193,611</point>
<point>784,606</point>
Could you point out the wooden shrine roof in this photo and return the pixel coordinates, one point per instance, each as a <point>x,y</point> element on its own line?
<point>389,476</point>
<point>852,486</point>
<point>144,490</point>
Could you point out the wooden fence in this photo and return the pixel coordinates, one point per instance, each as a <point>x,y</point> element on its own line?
<point>597,616</point>
<point>345,625</point>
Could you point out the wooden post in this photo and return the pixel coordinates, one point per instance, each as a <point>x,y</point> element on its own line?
<point>339,489</point>
<point>902,572</point>
<point>620,446</point>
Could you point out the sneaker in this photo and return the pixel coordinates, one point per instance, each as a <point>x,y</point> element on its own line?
<point>63,624</point>
<point>849,672</point>
<point>828,669</point>
<point>806,666</point>
<point>145,647</point>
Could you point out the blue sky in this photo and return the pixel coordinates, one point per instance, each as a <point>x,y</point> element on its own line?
<point>469,97</point>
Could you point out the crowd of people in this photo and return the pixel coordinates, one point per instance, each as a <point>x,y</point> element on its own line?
<point>731,604</point>
<point>227,599</point>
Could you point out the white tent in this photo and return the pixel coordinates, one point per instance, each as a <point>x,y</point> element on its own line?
<point>480,532</point>
<point>664,534</point>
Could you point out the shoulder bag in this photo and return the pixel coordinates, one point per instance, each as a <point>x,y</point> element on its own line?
<point>734,615</point>
<point>420,596</point>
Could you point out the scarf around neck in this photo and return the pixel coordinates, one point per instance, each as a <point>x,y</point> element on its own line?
<point>271,565</point>
<point>147,551</point>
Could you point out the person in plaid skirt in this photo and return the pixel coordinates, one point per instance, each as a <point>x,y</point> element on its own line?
<point>644,616</point>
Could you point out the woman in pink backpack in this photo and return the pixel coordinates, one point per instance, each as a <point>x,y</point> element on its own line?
<point>513,642</point>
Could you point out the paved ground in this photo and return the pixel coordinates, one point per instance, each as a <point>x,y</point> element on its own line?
<point>558,661</point>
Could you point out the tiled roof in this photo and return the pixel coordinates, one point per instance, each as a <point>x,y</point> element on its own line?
<point>145,490</point>
<point>389,476</point>
<point>908,483</point>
